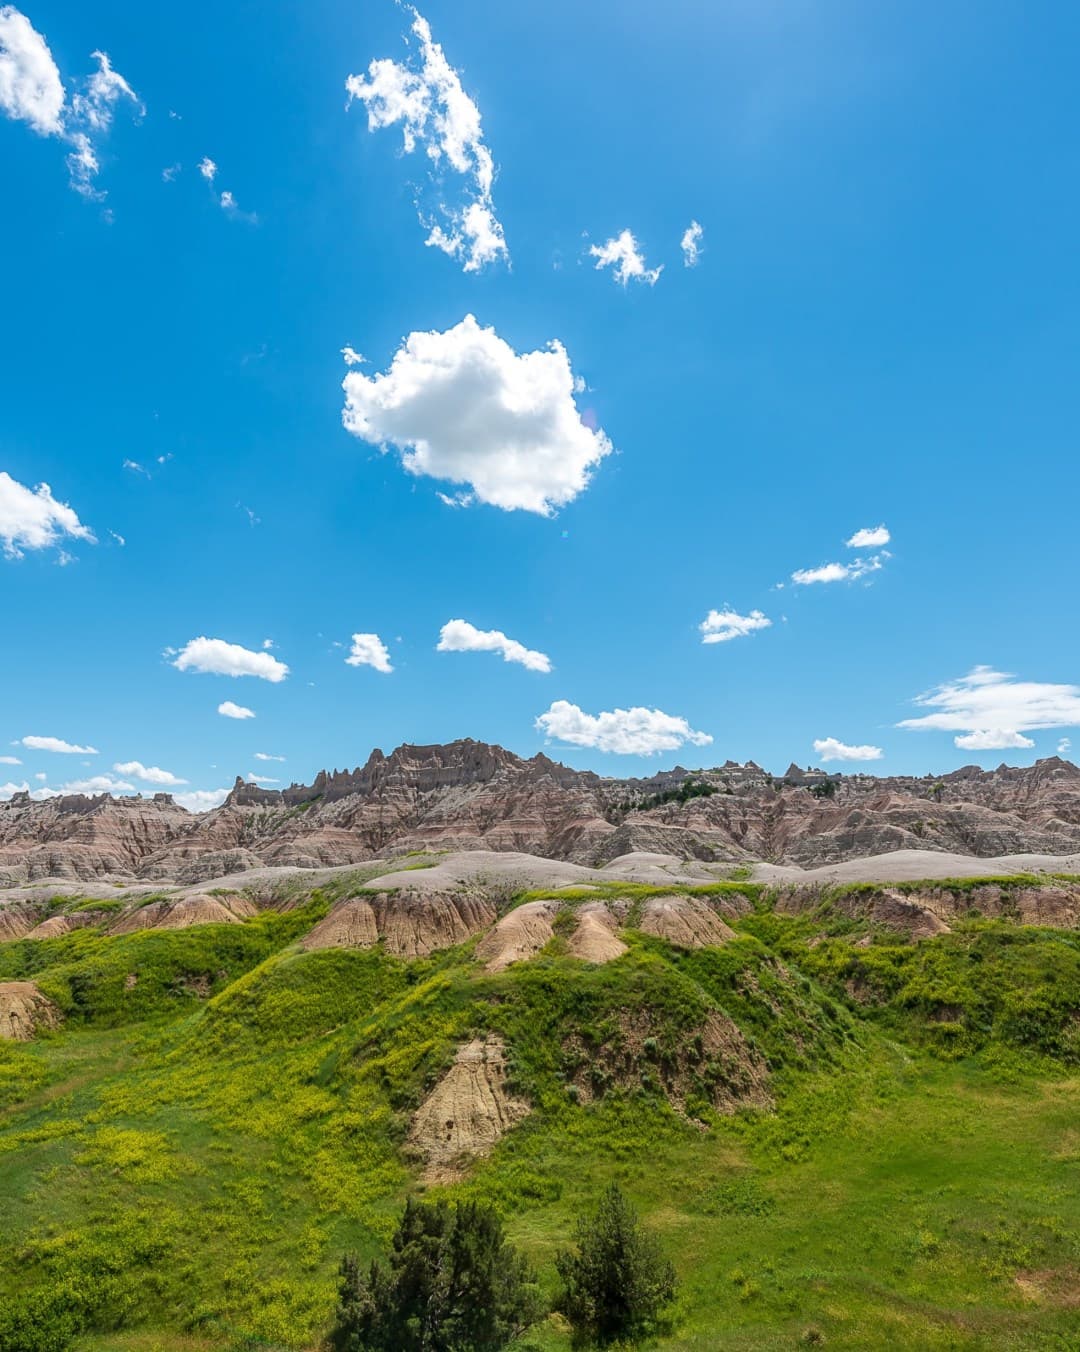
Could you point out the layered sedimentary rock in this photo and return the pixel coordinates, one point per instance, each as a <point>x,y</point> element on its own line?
<point>471,796</point>
<point>410,924</point>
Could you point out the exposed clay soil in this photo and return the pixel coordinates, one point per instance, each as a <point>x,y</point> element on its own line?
<point>519,935</point>
<point>688,922</point>
<point>594,938</point>
<point>467,1111</point>
<point>23,1010</point>
<point>410,924</point>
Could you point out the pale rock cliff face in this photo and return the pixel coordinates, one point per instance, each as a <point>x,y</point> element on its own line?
<point>471,796</point>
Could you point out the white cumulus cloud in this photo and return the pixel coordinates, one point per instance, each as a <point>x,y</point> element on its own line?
<point>31,518</point>
<point>459,636</point>
<point>149,774</point>
<point>464,406</point>
<point>629,732</point>
<point>691,244</point>
<point>58,745</point>
<point>368,650</point>
<point>992,710</point>
<point>992,740</point>
<point>207,168</point>
<point>425,96</point>
<point>31,90</point>
<point>624,257</point>
<point>1064,746</point>
<point>219,658</point>
<point>10,760</point>
<point>870,537</point>
<point>228,709</point>
<point>265,756</point>
<point>719,626</point>
<point>201,800</point>
<point>838,572</point>
<point>98,784</point>
<point>829,749</point>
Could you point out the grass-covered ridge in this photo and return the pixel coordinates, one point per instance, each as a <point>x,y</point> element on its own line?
<point>183,1163</point>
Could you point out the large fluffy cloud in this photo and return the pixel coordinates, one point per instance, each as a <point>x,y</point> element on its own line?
<point>631,732</point>
<point>31,518</point>
<point>58,745</point>
<point>991,710</point>
<point>464,406</point>
<point>30,86</point>
<point>830,749</point>
<point>623,255</point>
<point>425,96</point>
<point>720,626</point>
<point>368,650</point>
<point>32,91</point>
<point>219,658</point>
<point>459,636</point>
<point>149,774</point>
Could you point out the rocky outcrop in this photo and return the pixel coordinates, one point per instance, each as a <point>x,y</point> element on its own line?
<point>24,1010</point>
<point>519,935</point>
<point>594,937</point>
<point>687,922</point>
<point>467,1112</point>
<point>471,796</point>
<point>409,924</point>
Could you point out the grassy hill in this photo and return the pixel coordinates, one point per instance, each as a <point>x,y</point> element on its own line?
<point>222,1115</point>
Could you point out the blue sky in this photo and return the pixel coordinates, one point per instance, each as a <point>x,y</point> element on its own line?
<point>881,328</point>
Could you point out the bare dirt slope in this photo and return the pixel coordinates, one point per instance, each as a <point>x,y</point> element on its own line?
<point>24,1010</point>
<point>467,1111</point>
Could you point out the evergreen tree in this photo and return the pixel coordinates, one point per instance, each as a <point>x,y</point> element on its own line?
<point>452,1284</point>
<point>618,1281</point>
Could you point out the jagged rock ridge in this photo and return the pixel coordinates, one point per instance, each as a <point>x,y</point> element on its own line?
<point>468,795</point>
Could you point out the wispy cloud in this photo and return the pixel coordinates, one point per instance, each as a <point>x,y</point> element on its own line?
<point>720,626</point>
<point>425,96</point>
<point>991,710</point>
<point>691,244</point>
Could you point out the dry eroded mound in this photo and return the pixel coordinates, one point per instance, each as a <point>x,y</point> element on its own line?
<point>23,1010</point>
<point>467,1111</point>
<point>411,924</point>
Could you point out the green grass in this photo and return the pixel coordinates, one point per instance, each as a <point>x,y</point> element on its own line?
<point>183,1163</point>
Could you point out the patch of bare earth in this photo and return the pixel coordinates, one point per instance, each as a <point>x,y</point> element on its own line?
<point>466,1113</point>
<point>687,922</point>
<point>519,935</point>
<point>713,1062</point>
<point>1059,1287</point>
<point>594,938</point>
<point>24,1009</point>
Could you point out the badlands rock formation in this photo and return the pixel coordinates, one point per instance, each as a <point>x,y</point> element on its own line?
<point>471,796</point>
<point>23,1010</point>
<point>467,1111</point>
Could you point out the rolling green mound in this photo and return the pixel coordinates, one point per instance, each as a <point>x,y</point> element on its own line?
<point>844,1136</point>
